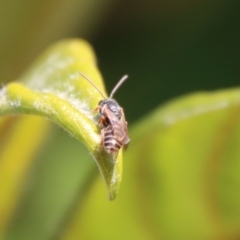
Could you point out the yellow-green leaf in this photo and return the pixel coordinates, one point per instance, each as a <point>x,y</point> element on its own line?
<point>53,88</point>
<point>181,178</point>
<point>16,155</point>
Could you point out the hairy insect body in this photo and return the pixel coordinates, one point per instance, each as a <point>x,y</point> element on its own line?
<point>114,131</point>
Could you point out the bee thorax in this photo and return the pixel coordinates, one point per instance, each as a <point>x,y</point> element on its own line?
<point>112,105</point>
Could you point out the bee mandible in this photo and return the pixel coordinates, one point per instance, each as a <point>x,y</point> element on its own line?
<point>114,130</point>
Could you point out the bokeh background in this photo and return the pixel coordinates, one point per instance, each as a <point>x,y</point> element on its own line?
<point>168,48</point>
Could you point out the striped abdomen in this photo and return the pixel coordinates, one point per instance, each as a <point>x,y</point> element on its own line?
<point>111,141</point>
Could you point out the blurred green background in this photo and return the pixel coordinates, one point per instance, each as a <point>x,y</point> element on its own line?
<point>168,48</point>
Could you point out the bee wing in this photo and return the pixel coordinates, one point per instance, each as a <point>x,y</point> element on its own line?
<point>119,127</point>
<point>126,139</point>
<point>113,120</point>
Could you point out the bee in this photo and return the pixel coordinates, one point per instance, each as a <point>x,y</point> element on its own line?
<point>114,130</point>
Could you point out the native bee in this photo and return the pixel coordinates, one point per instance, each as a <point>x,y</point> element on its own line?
<point>114,130</point>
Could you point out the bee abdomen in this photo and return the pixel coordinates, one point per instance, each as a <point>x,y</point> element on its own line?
<point>111,144</point>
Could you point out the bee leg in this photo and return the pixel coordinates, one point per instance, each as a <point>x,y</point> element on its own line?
<point>100,121</point>
<point>96,109</point>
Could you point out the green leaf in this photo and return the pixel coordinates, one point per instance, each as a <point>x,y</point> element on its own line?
<point>20,140</point>
<point>181,178</point>
<point>61,174</point>
<point>53,88</point>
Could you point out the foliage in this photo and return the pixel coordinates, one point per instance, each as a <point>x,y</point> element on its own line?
<point>181,170</point>
<point>180,165</point>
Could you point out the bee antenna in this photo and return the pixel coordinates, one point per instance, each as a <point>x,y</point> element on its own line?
<point>92,84</point>
<point>118,85</point>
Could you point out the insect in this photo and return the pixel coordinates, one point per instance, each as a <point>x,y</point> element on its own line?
<point>114,130</point>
